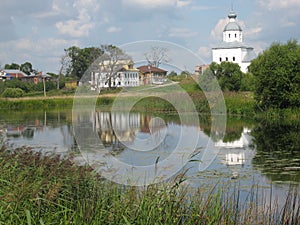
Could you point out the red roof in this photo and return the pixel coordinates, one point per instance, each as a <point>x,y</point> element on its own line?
<point>151,69</point>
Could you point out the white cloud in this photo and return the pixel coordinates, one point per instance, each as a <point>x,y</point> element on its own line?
<point>181,32</point>
<point>279,4</point>
<point>80,26</point>
<point>157,3</point>
<point>205,53</point>
<point>114,29</point>
<point>216,32</point>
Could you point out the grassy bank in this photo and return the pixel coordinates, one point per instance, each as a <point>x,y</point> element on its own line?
<point>36,189</point>
<point>237,103</point>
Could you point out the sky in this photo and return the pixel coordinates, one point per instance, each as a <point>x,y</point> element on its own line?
<point>39,31</point>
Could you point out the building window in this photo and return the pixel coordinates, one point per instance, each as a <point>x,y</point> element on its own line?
<point>220,59</point>
<point>226,58</point>
<point>235,35</point>
<point>229,35</point>
<point>233,59</point>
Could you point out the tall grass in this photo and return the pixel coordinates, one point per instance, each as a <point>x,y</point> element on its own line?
<point>37,189</point>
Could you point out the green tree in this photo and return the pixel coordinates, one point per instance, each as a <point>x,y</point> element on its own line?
<point>277,76</point>
<point>81,59</point>
<point>13,66</point>
<point>228,74</point>
<point>26,68</point>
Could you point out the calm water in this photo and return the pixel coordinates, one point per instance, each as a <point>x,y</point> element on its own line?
<point>127,146</point>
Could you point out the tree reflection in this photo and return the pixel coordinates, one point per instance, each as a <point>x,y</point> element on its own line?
<point>278,150</point>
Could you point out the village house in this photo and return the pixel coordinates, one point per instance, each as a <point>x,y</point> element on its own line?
<point>124,75</point>
<point>152,75</point>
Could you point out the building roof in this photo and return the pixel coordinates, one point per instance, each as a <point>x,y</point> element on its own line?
<point>249,56</point>
<point>151,69</point>
<point>230,45</point>
<point>19,72</point>
<point>232,26</point>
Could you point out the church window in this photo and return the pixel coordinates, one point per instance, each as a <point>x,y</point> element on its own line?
<point>233,59</point>
<point>226,58</point>
<point>235,35</point>
<point>220,59</point>
<point>229,35</point>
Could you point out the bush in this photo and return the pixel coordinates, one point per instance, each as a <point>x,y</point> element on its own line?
<point>13,93</point>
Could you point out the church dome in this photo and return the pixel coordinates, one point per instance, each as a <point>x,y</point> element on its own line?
<point>232,26</point>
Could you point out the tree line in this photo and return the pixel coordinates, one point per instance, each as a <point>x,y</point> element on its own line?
<point>274,76</point>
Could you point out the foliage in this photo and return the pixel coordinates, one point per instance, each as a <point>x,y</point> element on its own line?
<point>29,86</point>
<point>247,82</point>
<point>25,67</point>
<point>13,66</point>
<point>13,93</point>
<point>228,74</point>
<point>81,59</point>
<point>277,74</point>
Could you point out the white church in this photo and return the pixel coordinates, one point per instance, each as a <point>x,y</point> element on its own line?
<point>233,49</point>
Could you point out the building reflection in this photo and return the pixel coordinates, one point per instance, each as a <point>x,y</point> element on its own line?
<point>119,129</point>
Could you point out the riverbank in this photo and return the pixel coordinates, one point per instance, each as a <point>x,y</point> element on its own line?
<point>37,189</point>
<point>237,104</point>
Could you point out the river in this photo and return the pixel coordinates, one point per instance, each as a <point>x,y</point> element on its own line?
<point>141,148</point>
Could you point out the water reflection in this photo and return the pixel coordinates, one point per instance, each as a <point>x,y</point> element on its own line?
<point>273,154</point>
<point>278,150</point>
<point>49,132</point>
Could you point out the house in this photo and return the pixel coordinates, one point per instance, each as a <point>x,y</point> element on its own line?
<point>10,74</point>
<point>72,84</point>
<point>123,75</point>
<point>36,77</point>
<point>152,75</point>
<point>200,69</point>
<point>233,49</point>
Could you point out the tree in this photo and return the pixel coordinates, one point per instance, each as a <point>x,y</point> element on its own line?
<point>26,68</point>
<point>111,61</point>
<point>80,60</point>
<point>157,56</point>
<point>13,66</point>
<point>277,76</point>
<point>228,74</point>
<point>64,64</point>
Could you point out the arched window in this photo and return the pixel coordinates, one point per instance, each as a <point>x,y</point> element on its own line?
<point>235,35</point>
<point>220,59</point>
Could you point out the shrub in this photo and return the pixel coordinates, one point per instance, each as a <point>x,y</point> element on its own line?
<point>13,93</point>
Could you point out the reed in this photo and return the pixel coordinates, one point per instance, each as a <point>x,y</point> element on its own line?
<point>48,189</point>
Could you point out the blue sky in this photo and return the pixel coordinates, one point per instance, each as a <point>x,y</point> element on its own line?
<point>39,31</point>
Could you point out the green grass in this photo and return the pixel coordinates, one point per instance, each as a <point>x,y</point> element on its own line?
<point>37,189</point>
<point>237,103</point>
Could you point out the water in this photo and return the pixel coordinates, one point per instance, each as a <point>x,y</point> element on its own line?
<point>126,147</point>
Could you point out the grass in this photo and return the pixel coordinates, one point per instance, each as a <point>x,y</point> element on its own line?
<point>237,103</point>
<point>37,189</point>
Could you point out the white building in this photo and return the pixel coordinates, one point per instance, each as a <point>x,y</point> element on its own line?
<point>233,49</point>
<point>123,76</point>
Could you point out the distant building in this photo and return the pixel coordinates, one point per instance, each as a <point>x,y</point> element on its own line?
<point>233,49</point>
<point>152,75</point>
<point>200,69</point>
<point>125,75</point>
<point>36,77</point>
<point>10,74</point>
